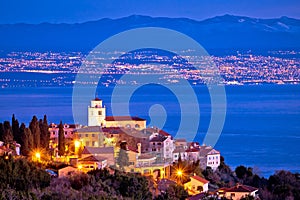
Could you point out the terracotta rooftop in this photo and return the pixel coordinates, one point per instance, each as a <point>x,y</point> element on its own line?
<point>192,150</point>
<point>98,150</point>
<point>241,188</point>
<point>89,129</point>
<point>202,180</point>
<point>123,118</point>
<point>92,159</point>
<point>156,130</point>
<point>97,99</point>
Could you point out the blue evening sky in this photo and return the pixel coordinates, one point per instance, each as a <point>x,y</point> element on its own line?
<point>71,11</point>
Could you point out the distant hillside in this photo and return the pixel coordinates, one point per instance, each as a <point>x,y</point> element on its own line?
<point>222,32</point>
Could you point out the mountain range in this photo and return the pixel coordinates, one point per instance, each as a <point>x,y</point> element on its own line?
<point>221,32</point>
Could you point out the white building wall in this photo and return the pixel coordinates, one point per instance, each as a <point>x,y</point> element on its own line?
<point>213,161</point>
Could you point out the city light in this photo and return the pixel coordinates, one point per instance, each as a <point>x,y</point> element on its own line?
<point>179,173</point>
<point>38,156</point>
<point>77,144</point>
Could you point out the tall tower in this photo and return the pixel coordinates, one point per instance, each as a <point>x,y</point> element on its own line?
<point>96,113</point>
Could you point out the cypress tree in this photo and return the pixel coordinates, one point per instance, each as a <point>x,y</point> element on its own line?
<point>61,140</point>
<point>45,134</point>
<point>16,129</point>
<point>1,131</point>
<point>25,149</point>
<point>22,134</point>
<point>123,159</point>
<point>35,130</point>
<point>8,135</point>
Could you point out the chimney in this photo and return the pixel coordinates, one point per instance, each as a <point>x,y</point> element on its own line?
<point>139,148</point>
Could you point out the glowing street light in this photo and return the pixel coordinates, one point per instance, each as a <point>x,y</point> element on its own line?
<point>179,173</point>
<point>38,156</point>
<point>77,144</point>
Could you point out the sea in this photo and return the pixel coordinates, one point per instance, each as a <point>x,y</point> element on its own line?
<point>261,128</point>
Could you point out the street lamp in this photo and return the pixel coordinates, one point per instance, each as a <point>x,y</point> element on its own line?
<point>38,156</point>
<point>77,145</point>
<point>179,174</point>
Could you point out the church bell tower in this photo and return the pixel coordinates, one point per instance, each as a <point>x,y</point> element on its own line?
<point>96,113</point>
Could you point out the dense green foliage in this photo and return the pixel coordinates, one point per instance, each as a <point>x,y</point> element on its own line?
<point>61,139</point>
<point>19,177</point>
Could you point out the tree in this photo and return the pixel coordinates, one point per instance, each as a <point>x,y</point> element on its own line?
<point>22,175</point>
<point>241,172</point>
<point>16,129</point>
<point>35,130</point>
<point>123,159</point>
<point>1,131</point>
<point>45,134</point>
<point>22,135</point>
<point>61,140</point>
<point>27,143</point>
<point>7,135</point>
<point>173,192</point>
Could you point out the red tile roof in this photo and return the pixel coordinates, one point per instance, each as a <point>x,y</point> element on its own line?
<point>202,180</point>
<point>97,99</point>
<point>123,118</point>
<point>193,150</point>
<point>241,188</point>
<point>92,159</point>
<point>132,149</point>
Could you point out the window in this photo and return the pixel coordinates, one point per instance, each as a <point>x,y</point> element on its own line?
<point>87,143</point>
<point>137,126</point>
<point>66,132</point>
<point>199,188</point>
<point>153,143</point>
<point>93,143</point>
<point>93,135</point>
<point>86,135</point>
<point>159,143</point>
<point>99,112</point>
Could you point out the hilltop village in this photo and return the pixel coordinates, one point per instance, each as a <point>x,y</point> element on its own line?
<point>124,143</point>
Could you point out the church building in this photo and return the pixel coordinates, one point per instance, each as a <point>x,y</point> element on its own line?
<point>97,117</point>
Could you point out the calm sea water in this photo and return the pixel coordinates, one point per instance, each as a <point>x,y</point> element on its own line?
<point>261,130</point>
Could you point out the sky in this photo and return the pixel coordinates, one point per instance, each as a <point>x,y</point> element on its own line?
<point>74,11</point>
